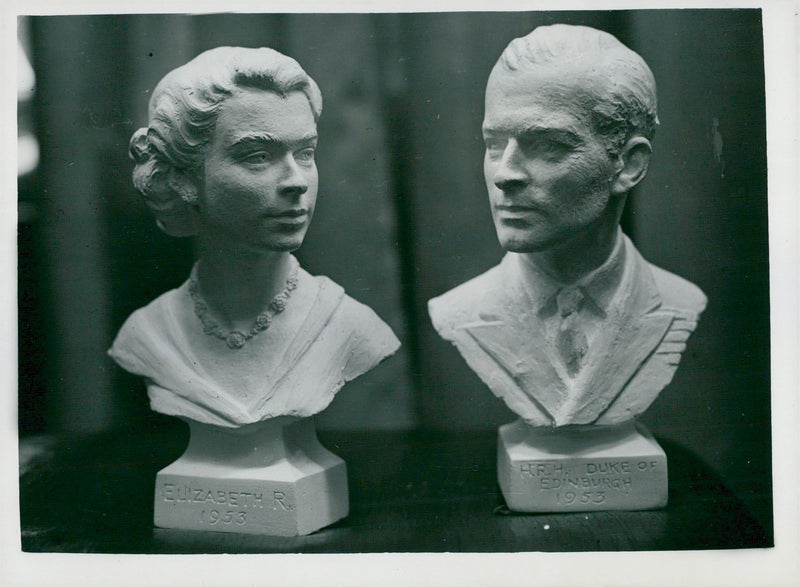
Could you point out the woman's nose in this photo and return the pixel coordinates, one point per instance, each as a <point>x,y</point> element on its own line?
<point>294,181</point>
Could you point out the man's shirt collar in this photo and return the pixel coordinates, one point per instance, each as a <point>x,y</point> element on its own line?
<point>599,286</point>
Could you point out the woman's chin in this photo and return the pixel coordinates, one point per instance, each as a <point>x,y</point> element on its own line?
<point>286,244</point>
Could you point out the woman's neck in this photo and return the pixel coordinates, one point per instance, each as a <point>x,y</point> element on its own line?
<point>238,285</point>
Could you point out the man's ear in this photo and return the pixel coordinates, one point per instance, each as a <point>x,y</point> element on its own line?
<point>634,159</point>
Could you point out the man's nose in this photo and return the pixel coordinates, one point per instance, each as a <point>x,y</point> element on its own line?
<point>510,174</point>
<point>294,182</point>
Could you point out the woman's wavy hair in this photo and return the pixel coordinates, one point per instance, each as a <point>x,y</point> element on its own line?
<point>182,115</point>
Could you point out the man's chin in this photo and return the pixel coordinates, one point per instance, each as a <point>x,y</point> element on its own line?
<point>516,243</point>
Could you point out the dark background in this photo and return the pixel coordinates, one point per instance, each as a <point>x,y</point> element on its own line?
<point>402,214</point>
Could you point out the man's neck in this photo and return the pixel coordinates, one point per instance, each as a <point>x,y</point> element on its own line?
<point>578,256</point>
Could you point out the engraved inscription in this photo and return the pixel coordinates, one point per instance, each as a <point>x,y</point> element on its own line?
<point>583,497</point>
<point>541,469</point>
<point>582,483</point>
<point>279,499</point>
<point>187,494</point>
<point>213,517</point>
<point>220,508</point>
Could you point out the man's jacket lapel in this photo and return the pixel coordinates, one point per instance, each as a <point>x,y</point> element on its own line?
<point>513,336</point>
<point>623,350</point>
<point>511,333</point>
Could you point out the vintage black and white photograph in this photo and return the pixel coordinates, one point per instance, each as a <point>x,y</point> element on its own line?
<point>396,282</point>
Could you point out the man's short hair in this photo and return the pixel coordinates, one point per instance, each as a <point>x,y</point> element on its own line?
<point>623,86</point>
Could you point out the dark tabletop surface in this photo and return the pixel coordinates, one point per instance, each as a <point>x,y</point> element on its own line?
<point>409,492</point>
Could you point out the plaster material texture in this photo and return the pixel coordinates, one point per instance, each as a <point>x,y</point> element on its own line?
<point>324,338</point>
<point>251,339</point>
<point>273,477</point>
<point>580,468</point>
<point>495,323</point>
<point>573,327</point>
<point>229,157</point>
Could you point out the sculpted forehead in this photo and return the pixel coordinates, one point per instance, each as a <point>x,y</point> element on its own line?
<point>263,110</point>
<point>581,70</point>
<point>540,96</point>
<point>264,115</point>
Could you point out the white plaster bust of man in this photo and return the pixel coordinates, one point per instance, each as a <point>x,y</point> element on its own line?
<point>573,326</point>
<point>228,157</point>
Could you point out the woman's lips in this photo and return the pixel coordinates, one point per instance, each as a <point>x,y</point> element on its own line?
<point>290,218</point>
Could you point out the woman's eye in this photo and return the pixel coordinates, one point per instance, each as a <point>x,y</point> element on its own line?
<point>255,158</point>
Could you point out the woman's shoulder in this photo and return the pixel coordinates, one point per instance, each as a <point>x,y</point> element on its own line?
<point>330,292</point>
<point>149,327</point>
<point>156,314</point>
<point>366,326</point>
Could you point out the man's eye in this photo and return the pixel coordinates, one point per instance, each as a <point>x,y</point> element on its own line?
<point>546,149</point>
<point>494,146</point>
<point>305,155</point>
<point>555,146</point>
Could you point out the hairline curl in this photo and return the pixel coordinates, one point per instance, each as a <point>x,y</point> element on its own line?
<point>183,112</point>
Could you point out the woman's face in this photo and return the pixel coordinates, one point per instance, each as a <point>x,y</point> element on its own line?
<point>259,179</point>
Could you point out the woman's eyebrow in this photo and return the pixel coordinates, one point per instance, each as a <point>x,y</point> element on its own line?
<point>258,140</point>
<point>268,140</point>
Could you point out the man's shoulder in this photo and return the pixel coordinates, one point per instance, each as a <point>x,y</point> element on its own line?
<point>465,302</point>
<point>678,293</point>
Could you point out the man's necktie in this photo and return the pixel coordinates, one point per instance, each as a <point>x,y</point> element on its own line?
<point>571,340</point>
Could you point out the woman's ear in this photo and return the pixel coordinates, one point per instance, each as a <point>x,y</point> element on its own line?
<point>185,185</point>
<point>635,158</point>
<point>183,217</point>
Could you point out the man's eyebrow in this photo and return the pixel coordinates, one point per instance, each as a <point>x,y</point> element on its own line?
<point>539,132</point>
<point>560,134</point>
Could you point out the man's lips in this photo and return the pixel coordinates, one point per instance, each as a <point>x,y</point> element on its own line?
<point>292,213</point>
<point>516,214</point>
<point>515,208</point>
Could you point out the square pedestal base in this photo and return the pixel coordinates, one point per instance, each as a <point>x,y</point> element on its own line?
<point>575,469</point>
<point>281,482</point>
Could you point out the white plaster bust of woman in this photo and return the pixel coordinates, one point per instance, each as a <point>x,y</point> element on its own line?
<point>228,157</point>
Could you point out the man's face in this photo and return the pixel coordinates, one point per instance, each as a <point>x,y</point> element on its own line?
<point>259,179</point>
<point>547,172</point>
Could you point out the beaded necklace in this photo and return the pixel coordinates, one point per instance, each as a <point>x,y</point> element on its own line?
<point>236,339</point>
